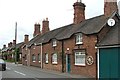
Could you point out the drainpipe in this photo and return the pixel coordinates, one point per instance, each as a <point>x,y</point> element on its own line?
<point>29,61</point>
<point>62,56</point>
<point>41,55</point>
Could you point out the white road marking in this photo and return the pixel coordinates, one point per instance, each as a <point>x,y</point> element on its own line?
<point>8,68</point>
<point>20,73</point>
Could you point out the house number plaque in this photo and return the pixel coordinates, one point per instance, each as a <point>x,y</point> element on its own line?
<point>89,60</point>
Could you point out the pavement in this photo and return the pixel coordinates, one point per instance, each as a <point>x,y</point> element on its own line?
<point>36,73</point>
<point>55,72</point>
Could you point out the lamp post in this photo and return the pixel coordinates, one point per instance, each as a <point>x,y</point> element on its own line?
<point>15,42</point>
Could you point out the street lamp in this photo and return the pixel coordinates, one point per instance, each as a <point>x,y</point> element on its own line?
<point>15,42</point>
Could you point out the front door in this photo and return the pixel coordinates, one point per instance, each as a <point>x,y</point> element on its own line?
<point>108,63</point>
<point>68,63</point>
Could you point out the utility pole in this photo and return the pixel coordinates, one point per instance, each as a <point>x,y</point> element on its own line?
<point>15,42</point>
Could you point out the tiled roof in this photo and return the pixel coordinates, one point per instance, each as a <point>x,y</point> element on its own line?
<point>89,26</point>
<point>19,45</point>
<point>112,37</point>
<point>10,48</point>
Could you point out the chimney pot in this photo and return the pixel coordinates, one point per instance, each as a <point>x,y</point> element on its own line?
<point>46,19</point>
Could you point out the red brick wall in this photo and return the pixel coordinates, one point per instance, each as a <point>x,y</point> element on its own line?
<point>50,50</point>
<point>24,52</point>
<point>88,44</point>
<point>35,50</point>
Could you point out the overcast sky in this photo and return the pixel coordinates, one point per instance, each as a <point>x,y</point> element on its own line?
<point>27,12</point>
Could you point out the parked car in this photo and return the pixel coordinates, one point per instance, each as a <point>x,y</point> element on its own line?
<point>2,65</point>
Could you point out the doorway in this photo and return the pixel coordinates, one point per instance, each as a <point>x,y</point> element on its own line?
<point>68,65</point>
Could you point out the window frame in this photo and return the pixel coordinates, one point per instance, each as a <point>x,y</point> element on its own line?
<point>54,58</point>
<point>83,62</point>
<point>54,42</point>
<point>46,58</point>
<point>79,38</point>
<point>33,58</point>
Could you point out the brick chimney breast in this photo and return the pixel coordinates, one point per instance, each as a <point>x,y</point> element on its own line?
<point>110,6</point>
<point>14,42</point>
<point>8,44</point>
<point>26,38</point>
<point>4,46</point>
<point>11,44</point>
<point>45,26</point>
<point>79,12</point>
<point>36,29</point>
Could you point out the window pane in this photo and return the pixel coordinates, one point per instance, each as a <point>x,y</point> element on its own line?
<point>54,58</point>
<point>80,58</point>
<point>78,38</point>
<point>39,57</point>
<point>46,58</point>
<point>33,58</point>
<point>54,43</point>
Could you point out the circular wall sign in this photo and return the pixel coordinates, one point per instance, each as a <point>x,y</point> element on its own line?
<point>111,22</point>
<point>89,60</point>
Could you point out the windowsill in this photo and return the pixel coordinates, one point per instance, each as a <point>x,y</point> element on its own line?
<point>34,61</point>
<point>80,65</point>
<point>79,43</point>
<point>54,45</point>
<point>46,62</point>
<point>54,62</point>
<point>25,60</point>
<point>39,61</point>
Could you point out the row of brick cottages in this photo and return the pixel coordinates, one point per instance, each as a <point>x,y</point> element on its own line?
<point>70,48</point>
<point>8,52</point>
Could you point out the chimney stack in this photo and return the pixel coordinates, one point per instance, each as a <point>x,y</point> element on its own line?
<point>14,42</point>
<point>10,44</point>
<point>110,6</point>
<point>26,38</point>
<point>79,12</point>
<point>4,46</point>
<point>45,26</point>
<point>36,29</point>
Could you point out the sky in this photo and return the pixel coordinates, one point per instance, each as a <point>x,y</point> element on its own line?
<point>28,12</point>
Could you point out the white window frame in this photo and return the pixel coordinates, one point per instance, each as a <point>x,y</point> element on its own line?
<point>54,58</point>
<point>54,42</point>
<point>79,38</point>
<point>82,60</point>
<point>46,58</point>
<point>33,58</point>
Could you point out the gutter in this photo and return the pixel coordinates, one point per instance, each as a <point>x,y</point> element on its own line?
<point>108,46</point>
